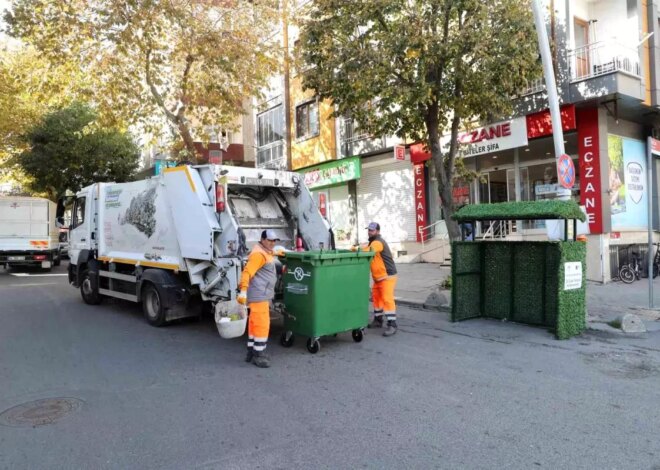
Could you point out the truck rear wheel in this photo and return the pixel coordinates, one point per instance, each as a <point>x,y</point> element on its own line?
<point>89,290</point>
<point>152,305</point>
<point>57,259</point>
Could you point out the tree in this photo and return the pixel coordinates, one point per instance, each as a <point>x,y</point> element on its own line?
<point>30,88</point>
<point>67,150</point>
<point>192,62</point>
<point>421,68</point>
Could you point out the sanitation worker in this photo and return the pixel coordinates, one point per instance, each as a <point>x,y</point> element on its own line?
<point>257,289</point>
<point>383,272</point>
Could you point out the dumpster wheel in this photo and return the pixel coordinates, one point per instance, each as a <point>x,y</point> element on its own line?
<point>357,335</point>
<point>286,339</point>
<point>313,345</point>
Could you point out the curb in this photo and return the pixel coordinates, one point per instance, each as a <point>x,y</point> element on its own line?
<point>421,305</point>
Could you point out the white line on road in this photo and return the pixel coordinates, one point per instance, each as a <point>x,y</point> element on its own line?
<point>32,284</point>
<point>36,275</point>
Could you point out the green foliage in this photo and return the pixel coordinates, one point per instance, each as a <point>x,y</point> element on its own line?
<point>519,281</point>
<point>68,151</point>
<point>29,88</point>
<point>447,283</point>
<point>421,69</point>
<point>189,64</point>
<point>546,209</point>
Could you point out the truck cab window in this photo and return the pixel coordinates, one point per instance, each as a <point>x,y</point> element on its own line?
<point>79,212</point>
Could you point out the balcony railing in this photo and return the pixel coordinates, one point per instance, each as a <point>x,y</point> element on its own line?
<point>601,58</point>
<point>271,156</point>
<point>535,86</point>
<point>355,142</point>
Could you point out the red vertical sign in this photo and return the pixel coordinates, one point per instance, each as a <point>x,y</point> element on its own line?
<point>323,204</point>
<point>589,151</point>
<point>420,199</point>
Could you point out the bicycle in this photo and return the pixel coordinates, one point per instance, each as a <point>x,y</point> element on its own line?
<point>630,272</point>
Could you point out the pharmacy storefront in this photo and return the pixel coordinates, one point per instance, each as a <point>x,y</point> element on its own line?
<point>515,161</point>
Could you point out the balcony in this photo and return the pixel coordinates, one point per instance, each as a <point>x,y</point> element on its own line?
<point>354,142</point>
<point>602,58</point>
<point>535,86</point>
<point>271,156</point>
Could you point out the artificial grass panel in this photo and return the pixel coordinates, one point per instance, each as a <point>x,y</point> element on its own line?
<point>546,209</point>
<point>521,281</point>
<point>466,280</point>
<point>497,279</point>
<point>528,285</point>
<point>572,311</point>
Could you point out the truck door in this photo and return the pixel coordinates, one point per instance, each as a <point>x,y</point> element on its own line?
<point>80,233</point>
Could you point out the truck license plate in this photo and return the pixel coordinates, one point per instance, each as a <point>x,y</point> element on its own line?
<point>15,258</point>
<point>259,181</point>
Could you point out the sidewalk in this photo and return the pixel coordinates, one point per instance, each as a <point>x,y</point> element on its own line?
<point>418,286</point>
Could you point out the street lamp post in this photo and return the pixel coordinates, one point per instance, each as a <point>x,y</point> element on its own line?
<point>553,97</point>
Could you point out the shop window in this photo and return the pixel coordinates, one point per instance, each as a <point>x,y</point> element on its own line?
<point>307,120</point>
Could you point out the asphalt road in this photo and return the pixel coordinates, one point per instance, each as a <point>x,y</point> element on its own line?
<point>479,394</point>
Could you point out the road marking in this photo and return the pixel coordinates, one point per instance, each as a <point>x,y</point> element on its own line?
<point>33,284</point>
<point>36,275</point>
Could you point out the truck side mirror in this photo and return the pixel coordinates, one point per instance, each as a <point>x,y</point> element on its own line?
<point>59,213</point>
<point>59,222</point>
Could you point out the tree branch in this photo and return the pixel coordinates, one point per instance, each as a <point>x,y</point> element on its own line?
<point>154,91</point>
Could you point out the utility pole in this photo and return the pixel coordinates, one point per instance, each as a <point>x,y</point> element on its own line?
<point>553,97</point>
<point>287,83</point>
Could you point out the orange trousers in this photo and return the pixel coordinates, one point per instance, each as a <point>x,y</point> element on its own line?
<point>258,325</point>
<point>382,293</point>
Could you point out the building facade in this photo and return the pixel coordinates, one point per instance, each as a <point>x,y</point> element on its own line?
<point>607,62</point>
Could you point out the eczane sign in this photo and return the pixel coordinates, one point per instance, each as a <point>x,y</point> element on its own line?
<point>492,138</point>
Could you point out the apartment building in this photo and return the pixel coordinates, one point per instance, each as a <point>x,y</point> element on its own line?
<point>607,59</point>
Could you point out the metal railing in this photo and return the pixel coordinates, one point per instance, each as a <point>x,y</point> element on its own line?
<point>435,231</point>
<point>498,229</point>
<point>535,86</point>
<point>601,58</point>
<point>354,141</point>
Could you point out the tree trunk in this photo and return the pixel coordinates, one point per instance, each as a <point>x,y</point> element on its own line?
<point>188,141</point>
<point>444,169</point>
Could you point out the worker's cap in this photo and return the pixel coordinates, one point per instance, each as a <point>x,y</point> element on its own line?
<point>269,235</point>
<point>373,226</point>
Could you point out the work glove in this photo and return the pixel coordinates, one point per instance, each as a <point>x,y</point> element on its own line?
<point>355,248</point>
<point>242,298</point>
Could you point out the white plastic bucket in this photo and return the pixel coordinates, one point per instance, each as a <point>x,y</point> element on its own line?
<point>229,328</point>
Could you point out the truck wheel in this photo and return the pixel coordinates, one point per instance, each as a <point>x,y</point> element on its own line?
<point>152,306</point>
<point>57,259</point>
<point>88,289</point>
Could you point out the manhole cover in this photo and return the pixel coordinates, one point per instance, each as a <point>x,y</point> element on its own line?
<point>39,412</point>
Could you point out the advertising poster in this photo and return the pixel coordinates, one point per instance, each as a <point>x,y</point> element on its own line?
<point>627,183</point>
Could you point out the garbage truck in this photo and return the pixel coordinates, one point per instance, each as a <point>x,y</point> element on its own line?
<point>180,239</point>
<point>29,235</point>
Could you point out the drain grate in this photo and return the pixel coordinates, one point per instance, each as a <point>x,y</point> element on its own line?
<point>39,412</point>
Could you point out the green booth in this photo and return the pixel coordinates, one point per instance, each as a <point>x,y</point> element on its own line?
<point>533,282</point>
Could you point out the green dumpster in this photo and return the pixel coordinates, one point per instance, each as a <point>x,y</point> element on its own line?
<point>325,293</point>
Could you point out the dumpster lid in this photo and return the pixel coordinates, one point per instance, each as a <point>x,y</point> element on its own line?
<point>327,254</point>
<point>523,210</point>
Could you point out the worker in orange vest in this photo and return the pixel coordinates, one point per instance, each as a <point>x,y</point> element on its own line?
<point>257,289</point>
<point>383,272</point>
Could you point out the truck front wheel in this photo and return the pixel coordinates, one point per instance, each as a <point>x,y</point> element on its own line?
<point>89,290</point>
<point>152,305</point>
